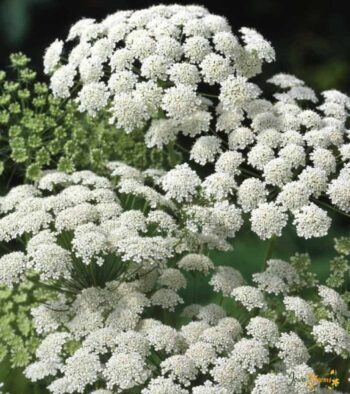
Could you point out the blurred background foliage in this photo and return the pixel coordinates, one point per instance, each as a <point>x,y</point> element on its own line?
<point>311,37</point>
<point>312,41</point>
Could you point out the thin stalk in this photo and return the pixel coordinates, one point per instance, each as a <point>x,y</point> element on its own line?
<point>269,251</point>
<point>329,206</point>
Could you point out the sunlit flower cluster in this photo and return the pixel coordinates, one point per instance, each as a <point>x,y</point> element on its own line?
<point>144,301</point>
<point>103,337</point>
<point>76,222</point>
<point>148,64</point>
<point>179,69</point>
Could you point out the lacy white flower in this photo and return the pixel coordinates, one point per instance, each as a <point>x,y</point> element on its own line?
<point>324,159</point>
<point>268,220</point>
<point>205,149</point>
<point>338,191</point>
<point>240,138</point>
<point>125,370</point>
<point>166,298</point>
<point>294,195</point>
<point>203,355</point>
<point>315,179</point>
<point>180,101</point>
<point>225,279</point>
<point>332,337</point>
<point>277,172</point>
<point>165,338</point>
<point>80,370</point>
<point>292,349</point>
<point>180,368</point>
<point>250,297</point>
<point>12,268</point>
<point>62,80</point>
<point>172,278</point>
<point>193,330</point>
<point>270,283</point>
<point>229,374</point>
<point>294,154</point>
<point>93,97</point>
<point>211,313</point>
<point>163,385</point>
<point>251,193</point>
<point>229,162</point>
<point>251,354</point>
<point>195,262</point>
<point>215,68</point>
<point>181,183</point>
<point>52,56</point>
<point>236,92</point>
<point>260,155</point>
<point>219,186</point>
<point>311,221</point>
<point>161,132</point>
<point>332,299</point>
<point>264,330</point>
<point>301,308</point>
<point>272,383</point>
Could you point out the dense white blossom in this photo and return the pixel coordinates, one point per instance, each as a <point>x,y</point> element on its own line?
<point>229,374</point>
<point>311,221</point>
<point>93,97</point>
<point>292,349</point>
<point>260,155</point>
<point>161,385</point>
<point>205,149</point>
<point>12,268</point>
<point>52,56</point>
<point>180,368</point>
<point>178,73</point>
<point>332,337</point>
<point>195,262</point>
<point>264,330</point>
<point>251,193</point>
<point>181,183</point>
<point>250,297</point>
<point>268,219</point>
<point>301,308</point>
<point>225,279</point>
<point>125,370</point>
<point>236,92</point>
<point>339,193</point>
<point>271,383</point>
<point>333,300</point>
<point>251,354</point>
<point>294,195</point>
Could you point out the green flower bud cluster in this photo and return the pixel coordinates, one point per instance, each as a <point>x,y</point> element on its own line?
<point>38,131</point>
<point>18,339</point>
<point>339,266</point>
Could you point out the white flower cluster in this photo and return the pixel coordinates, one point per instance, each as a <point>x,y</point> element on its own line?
<point>72,222</point>
<point>274,158</point>
<point>119,252</point>
<point>285,161</point>
<point>116,348</point>
<point>176,191</point>
<point>140,64</point>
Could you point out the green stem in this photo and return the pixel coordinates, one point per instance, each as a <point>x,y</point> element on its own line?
<point>269,251</point>
<point>249,172</point>
<point>209,95</point>
<point>329,206</point>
